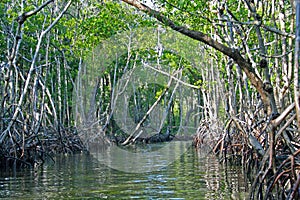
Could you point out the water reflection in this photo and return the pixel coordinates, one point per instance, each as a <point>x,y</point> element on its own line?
<point>193,176</point>
<point>139,159</point>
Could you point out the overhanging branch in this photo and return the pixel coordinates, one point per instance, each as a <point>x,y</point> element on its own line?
<point>202,37</point>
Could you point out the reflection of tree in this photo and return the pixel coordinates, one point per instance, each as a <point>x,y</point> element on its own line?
<point>224,182</point>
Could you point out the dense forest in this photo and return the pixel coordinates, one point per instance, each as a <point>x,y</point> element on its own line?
<point>124,72</point>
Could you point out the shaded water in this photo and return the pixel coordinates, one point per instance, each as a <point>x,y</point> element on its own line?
<point>195,175</point>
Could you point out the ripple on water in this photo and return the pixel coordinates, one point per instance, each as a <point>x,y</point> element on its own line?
<point>192,176</point>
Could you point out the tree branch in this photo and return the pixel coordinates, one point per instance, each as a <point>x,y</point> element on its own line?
<point>22,18</point>
<point>32,67</point>
<point>202,37</point>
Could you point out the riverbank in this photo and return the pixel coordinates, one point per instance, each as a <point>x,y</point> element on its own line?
<point>32,152</point>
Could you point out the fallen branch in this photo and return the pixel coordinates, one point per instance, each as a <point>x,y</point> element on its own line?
<point>138,126</point>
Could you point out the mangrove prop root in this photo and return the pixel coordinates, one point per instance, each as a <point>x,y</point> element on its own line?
<point>269,143</point>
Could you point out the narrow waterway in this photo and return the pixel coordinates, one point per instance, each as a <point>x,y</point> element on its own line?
<point>194,175</point>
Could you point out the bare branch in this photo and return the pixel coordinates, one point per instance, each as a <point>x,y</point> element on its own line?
<point>32,67</point>
<point>200,36</point>
<point>22,18</point>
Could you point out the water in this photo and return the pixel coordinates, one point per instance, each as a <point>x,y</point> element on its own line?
<point>194,175</point>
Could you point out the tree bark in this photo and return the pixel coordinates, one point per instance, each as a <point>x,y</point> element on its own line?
<point>296,67</point>
<point>202,37</point>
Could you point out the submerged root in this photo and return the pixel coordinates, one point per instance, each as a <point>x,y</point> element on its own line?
<point>266,148</point>
<point>36,148</point>
<point>201,134</point>
<point>207,135</point>
<point>287,177</point>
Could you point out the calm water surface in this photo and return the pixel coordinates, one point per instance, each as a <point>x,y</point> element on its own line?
<point>195,175</point>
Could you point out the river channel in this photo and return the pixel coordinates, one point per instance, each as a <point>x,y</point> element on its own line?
<point>193,175</point>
